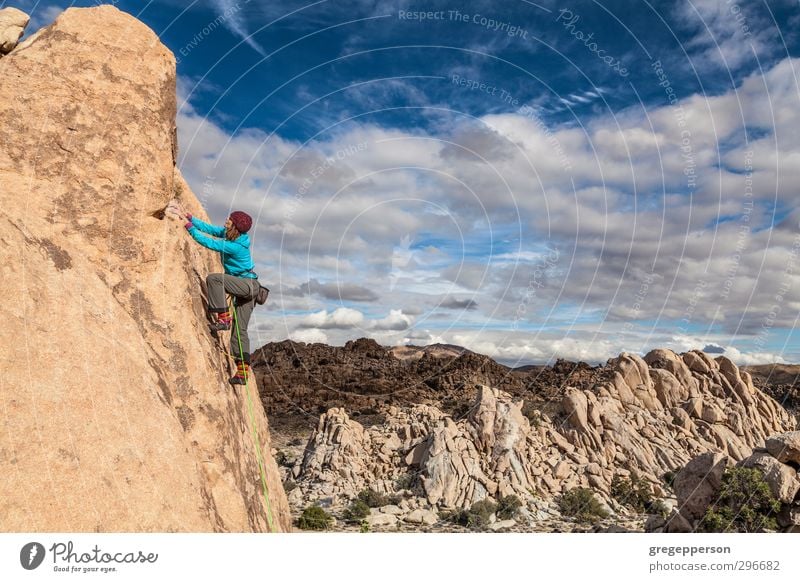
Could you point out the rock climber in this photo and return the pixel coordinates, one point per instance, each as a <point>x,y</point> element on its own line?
<point>238,280</point>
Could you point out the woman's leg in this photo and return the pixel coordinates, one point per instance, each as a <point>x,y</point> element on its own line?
<point>242,318</point>
<point>243,305</point>
<point>216,293</point>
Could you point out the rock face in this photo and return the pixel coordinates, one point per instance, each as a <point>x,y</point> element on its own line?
<point>118,412</point>
<point>651,416</point>
<point>12,26</point>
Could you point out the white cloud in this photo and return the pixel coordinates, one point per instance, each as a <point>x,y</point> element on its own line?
<point>236,22</point>
<point>727,34</point>
<point>342,318</point>
<point>309,336</point>
<point>395,321</point>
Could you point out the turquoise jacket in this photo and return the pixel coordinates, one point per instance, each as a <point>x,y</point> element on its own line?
<point>236,257</point>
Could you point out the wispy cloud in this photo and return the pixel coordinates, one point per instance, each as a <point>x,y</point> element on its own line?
<point>235,21</point>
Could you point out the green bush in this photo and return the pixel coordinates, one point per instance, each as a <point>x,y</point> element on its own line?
<point>372,498</point>
<point>508,507</point>
<point>406,481</point>
<point>357,511</point>
<point>476,517</point>
<point>744,504</point>
<point>633,492</point>
<point>479,514</point>
<point>581,504</point>
<point>314,518</point>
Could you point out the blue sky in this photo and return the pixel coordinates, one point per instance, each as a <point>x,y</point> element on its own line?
<point>528,179</point>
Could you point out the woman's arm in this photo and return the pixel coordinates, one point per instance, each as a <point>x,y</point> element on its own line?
<point>215,244</point>
<point>208,228</point>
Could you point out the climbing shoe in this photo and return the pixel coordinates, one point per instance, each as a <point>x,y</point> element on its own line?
<point>243,373</point>
<point>223,322</point>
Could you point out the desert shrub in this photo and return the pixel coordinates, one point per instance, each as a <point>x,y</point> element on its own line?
<point>633,492</point>
<point>314,518</point>
<point>480,513</point>
<point>456,516</point>
<point>581,504</point>
<point>476,517</point>
<point>658,507</point>
<point>372,498</point>
<point>282,459</point>
<point>364,528</point>
<point>405,481</point>
<point>357,511</point>
<point>533,414</point>
<point>508,507</point>
<point>744,504</point>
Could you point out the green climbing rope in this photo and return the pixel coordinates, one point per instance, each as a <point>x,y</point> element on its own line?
<point>253,431</point>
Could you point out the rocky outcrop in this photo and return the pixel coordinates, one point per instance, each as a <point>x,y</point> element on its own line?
<point>781,381</point>
<point>12,26</point>
<point>651,416</point>
<point>698,484</point>
<point>118,413</point>
<point>301,381</point>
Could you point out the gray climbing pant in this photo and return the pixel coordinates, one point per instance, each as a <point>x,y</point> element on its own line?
<point>244,292</point>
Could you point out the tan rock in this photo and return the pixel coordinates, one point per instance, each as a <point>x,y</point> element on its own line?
<point>677,523</point>
<point>696,363</point>
<point>782,479</point>
<point>391,509</point>
<point>575,406</point>
<point>674,364</point>
<point>147,434</point>
<point>503,525</point>
<point>668,388</point>
<point>422,517</point>
<point>697,484</point>
<point>712,414</point>
<point>381,520</point>
<point>12,26</point>
<point>785,447</point>
<point>789,516</point>
<point>694,406</point>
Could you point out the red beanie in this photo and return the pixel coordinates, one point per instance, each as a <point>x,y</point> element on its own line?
<point>241,220</point>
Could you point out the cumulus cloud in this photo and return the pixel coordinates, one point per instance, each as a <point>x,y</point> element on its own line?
<point>395,321</point>
<point>309,336</point>
<point>342,318</point>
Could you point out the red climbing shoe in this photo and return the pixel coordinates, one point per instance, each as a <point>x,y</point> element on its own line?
<point>223,322</point>
<point>243,373</point>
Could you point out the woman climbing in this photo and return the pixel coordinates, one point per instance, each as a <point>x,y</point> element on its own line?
<point>239,280</point>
